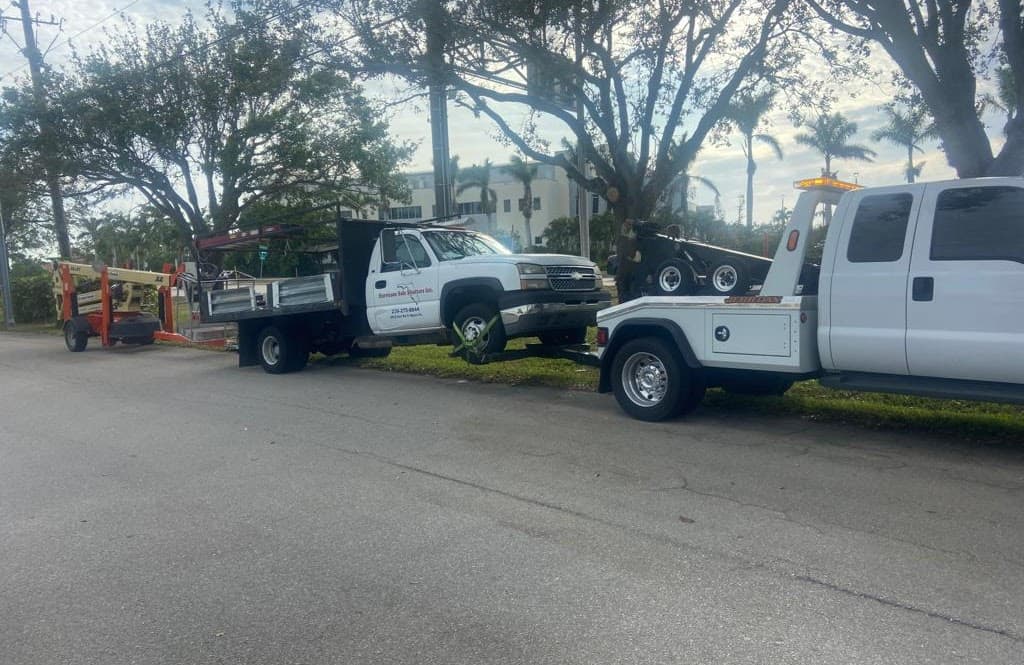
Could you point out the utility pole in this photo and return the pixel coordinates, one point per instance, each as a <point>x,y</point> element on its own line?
<point>35,65</point>
<point>438,94</point>
<point>5,272</point>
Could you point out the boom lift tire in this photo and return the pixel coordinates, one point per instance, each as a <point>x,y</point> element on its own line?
<point>280,353</point>
<point>674,277</point>
<point>472,319</point>
<point>728,278</point>
<point>563,337</point>
<point>651,382</point>
<point>75,340</point>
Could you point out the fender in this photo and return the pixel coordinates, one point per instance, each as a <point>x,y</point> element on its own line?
<point>644,327</point>
<point>454,287</point>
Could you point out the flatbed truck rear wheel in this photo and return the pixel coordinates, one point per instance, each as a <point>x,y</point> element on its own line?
<point>280,352</point>
<point>73,339</point>
<point>651,382</point>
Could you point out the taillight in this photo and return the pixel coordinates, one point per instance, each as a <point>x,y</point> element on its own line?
<point>602,337</point>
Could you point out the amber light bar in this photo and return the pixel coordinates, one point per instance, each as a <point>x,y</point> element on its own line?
<point>822,182</point>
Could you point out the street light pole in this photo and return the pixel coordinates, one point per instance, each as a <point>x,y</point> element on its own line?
<point>5,273</point>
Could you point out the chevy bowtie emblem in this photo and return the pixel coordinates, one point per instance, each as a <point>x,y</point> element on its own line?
<point>576,276</point>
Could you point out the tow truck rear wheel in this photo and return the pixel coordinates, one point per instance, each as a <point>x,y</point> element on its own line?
<point>651,382</point>
<point>278,352</point>
<point>73,339</point>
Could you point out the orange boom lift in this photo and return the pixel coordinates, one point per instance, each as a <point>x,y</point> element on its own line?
<point>104,302</point>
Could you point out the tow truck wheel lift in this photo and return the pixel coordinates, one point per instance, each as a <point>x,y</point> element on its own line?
<point>113,312</point>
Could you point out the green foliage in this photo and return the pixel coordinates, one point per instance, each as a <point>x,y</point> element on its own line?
<point>32,298</point>
<point>652,81</point>
<point>205,122</point>
<point>562,236</point>
<point>142,239</point>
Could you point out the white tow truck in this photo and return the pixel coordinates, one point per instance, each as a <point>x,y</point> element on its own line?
<point>921,292</point>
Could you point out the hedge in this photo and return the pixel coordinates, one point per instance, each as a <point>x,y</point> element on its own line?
<point>33,299</point>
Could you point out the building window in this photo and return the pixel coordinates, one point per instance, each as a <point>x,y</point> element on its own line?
<point>507,205</point>
<point>595,204</point>
<point>879,228</point>
<point>406,212</point>
<point>346,214</point>
<point>979,224</point>
<point>470,208</point>
<point>536,203</point>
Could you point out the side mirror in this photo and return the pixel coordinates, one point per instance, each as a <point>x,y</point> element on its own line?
<point>388,251</point>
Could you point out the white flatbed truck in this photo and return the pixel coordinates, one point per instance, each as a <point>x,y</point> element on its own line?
<point>921,292</point>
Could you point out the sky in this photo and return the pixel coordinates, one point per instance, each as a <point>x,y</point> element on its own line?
<point>472,139</point>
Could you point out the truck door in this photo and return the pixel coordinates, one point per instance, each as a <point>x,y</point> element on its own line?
<point>868,284</point>
<point>965,302</point>
<point>403,296</point>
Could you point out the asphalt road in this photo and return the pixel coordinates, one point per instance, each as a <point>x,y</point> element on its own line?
<point>160,505</point>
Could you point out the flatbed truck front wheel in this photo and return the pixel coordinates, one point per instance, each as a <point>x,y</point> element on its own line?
<point>281,350</point>
<point>651,382</point>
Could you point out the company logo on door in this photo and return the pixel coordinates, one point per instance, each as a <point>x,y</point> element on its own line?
<point>404,293</point>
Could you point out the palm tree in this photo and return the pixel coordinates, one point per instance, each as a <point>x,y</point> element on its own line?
<point>479,177</point>
<point>453,178</point>
<point>906,130</point>
<point>524,173</point>
<point>829,135</point>
<point>684,185</point>
<point>746,112</point>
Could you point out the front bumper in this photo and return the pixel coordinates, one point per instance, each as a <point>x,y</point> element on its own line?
<point>526,313</point>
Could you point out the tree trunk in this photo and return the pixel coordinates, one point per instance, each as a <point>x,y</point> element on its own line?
<point>528,213</point>
<point>751,168</point>
<point>910,164</point>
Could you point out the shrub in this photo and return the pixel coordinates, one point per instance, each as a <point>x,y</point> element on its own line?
<point>33,299</point>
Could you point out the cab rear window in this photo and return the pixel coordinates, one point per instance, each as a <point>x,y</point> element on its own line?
<point>979,224</point>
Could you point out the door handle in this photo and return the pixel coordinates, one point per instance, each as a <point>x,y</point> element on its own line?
<point>923,289</point>
<point>380,284</point>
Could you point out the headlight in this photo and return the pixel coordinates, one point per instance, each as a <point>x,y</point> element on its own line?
<point>531,269</point>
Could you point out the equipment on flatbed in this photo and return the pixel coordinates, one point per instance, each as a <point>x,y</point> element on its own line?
<point>105,302</point>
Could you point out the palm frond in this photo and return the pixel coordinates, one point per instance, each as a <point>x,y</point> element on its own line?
<point>771,142</point>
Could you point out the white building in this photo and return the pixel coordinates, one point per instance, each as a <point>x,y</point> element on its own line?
<point>554,195</point>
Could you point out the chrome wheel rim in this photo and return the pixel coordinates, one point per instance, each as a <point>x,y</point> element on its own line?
<point>271,350</point>
<point>645,379</point>
<point>473,328</point>
<point>670,278</point>
<point>724,278</point>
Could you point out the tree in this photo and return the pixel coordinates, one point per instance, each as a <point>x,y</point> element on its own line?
<point>479,177</point>
<point>140,238</point>
<point>524,173</point>
<point>746,112</point>
<point>906,129</point>
<point>942,47</point>
<point>828,135</point>
<point>205,123</point>
<point>623,78</point>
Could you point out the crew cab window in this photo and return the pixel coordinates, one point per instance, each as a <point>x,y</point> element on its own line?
<point>879,228</point>
<point>979,224</point>
<point>410,253</point>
